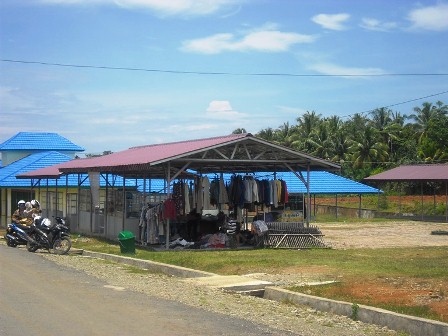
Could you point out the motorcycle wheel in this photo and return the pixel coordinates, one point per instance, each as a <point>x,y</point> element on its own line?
<point>62,245</point>
<point>10,243</point>
<point>31,247</point>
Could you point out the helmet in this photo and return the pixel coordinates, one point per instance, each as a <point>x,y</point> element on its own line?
<point>21,202</point>
<point>46,222</point>
<point>35,204</point>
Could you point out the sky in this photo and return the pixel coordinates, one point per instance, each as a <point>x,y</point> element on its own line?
<point>112,74</point>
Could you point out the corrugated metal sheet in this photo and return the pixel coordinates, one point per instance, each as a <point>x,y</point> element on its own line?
<point>427,172</point>
<point>321,182</point>
<point>153,153</point>
<point>32,141</point>
<point>29,163</point>
<point>49,161</point>
<point>231,153</point>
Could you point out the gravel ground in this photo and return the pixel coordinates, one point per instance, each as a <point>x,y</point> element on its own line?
<point>301,320</point>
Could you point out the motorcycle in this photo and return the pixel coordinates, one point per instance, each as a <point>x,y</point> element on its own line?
<point>49,235</point>
<point>16,235</point>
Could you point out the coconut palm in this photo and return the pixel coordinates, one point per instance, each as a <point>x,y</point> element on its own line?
<point>285,134</point>
<point>306,124</point>
<point>423,115</point>
<point>266,134</point>
<point>389,130</point>
<point>368,149</point>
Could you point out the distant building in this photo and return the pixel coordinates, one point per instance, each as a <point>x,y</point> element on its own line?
<point>24,152</point>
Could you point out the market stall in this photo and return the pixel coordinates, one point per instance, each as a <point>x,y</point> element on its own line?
<point>184,166</point>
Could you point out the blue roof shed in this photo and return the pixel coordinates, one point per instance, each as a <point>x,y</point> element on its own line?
<point>31,141</point>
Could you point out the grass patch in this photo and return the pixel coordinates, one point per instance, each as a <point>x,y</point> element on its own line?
<point>415,262</point>
<point>349,267</point>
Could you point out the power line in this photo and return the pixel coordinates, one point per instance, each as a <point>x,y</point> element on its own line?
<point>219,73</point>
<point>247,74</point>
<point>396,104</point>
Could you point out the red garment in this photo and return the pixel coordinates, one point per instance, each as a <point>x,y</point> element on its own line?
<point>285,190</point>
<point>169,209</point>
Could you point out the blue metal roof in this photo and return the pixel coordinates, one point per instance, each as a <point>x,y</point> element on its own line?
<point>44,159</point>
<point>321,182</point>
<point>39,142</point>
<point>31,162</point>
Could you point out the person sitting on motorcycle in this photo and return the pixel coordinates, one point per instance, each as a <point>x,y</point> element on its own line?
<point>20,217</point>
<point>35,208</point>
<point>32,209</point>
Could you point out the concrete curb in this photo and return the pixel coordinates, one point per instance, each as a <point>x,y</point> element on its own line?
<point>399,322</point>
<point>181,272</point>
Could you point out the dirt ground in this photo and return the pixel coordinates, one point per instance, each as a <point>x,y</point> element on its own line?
<point>383,234</point>
<point>401,291</point>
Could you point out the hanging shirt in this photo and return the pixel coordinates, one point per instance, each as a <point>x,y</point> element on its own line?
<point>223,197</point>
<point>206,193</point>
<point>199,195</point>
<point>187,198</point>
<point>169,209</point>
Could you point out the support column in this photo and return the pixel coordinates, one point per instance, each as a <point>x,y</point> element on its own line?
<point>106,206</point>
<point>168,183</point>
<point>337,210</point>
<point>308,195</point>
<point>421,192</point>
<point>124,204</point>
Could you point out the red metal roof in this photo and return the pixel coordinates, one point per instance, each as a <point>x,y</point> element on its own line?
<point>426,172</point>
<point>160,152</point>
<point>139,155</point>
<point>231,153</point>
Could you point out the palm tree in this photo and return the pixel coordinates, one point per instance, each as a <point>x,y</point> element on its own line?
<point>320,141</point>
<point>306,124</point>
<point>340,144</point>
<point>423,116</point>
<point>369,149</point>
<point>356,125</point>
<point>266,134</point>
<point>383,122</point>
<point>284,135</point>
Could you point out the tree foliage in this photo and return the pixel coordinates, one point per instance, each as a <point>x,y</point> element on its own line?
<point>366,143</point>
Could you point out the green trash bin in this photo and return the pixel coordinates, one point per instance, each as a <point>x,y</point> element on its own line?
<point>127,242</point>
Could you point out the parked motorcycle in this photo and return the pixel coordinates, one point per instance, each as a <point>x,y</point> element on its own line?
<point>16,235</point>
<point>49,235</point>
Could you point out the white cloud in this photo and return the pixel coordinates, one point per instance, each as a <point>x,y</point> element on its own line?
<point>265,40</point>
<point>337,70</point>
<point>165,7</point>
<point>430,18</point>
<point>221,109</point>
<point>377,25</point>
<point>331,21</point>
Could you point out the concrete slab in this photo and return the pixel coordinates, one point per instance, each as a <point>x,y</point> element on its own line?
<point>230,282</point>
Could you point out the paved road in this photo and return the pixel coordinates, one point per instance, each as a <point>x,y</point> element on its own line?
<point>38,297</point>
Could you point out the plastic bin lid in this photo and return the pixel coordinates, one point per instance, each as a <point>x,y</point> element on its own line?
<point>123,235</point>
